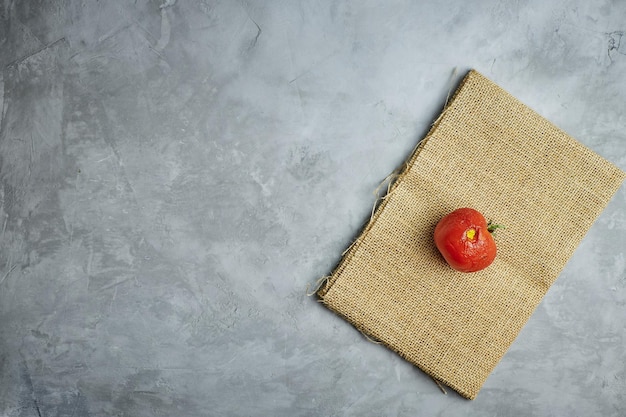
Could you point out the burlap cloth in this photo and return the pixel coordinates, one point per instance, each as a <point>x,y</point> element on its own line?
<point>487,151</point>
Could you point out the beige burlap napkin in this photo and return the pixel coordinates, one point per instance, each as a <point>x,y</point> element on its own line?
<point>487,151</point>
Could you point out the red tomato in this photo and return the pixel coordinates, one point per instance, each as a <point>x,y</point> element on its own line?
<point>464,239</point>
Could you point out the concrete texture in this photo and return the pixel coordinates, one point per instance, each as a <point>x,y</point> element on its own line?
<point>174,174</point>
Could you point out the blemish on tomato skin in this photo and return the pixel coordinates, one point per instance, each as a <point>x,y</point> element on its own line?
<point>470,234</point>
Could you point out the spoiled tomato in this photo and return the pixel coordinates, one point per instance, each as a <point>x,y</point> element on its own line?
<point>464,239</point>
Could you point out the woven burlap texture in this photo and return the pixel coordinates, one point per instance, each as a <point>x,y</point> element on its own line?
<point>491,152</point>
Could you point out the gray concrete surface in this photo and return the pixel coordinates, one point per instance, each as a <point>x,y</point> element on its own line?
<point>174,175</point>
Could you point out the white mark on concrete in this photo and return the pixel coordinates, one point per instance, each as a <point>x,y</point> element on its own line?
<point>104,159</point>
<point>6,218</point>
<point>168,3</point>
<point>165,31</point>
<point>166,28</point>
<point>90,259</point>
<point>2,110</point>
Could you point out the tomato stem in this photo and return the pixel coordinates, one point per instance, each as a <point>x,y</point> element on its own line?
<point>491,227</point>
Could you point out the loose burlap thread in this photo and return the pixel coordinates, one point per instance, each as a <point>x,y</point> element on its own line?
<point>491,152</point>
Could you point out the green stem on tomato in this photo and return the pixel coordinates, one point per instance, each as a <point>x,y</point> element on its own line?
<point>491,227</point>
